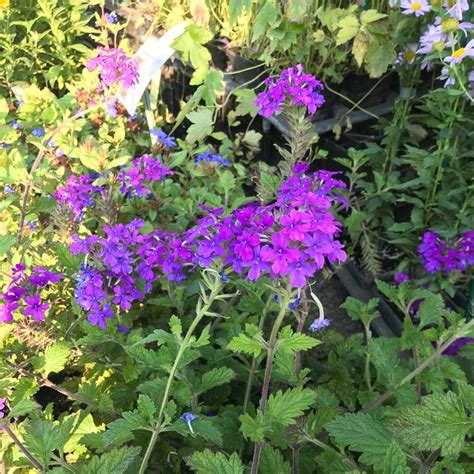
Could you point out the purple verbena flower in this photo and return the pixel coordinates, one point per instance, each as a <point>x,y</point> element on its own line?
<point>319,323</point>
<point>293,87</point>
<point>400,277</point>
<point>114,67</point>
<point>35,308</point>
<point>78,193</point>
<point>3,404</point>
<point>457,345</point>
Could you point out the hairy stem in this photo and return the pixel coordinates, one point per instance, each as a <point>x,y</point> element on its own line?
<point>157,429</point>
<point>441,348</point>
<point>22,447</point>
<point>268,371</point>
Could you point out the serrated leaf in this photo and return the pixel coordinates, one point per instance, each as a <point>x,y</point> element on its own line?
<point>66,257</point>
<point>146,407</point>
<point>53,359</point>
<point>81,426</point>
<point>440,422</point>
<point>284,407</point>
<point>6,243</point>
<point>360,46</point>
<point>214,378</point>
<point>431,310</point>
<point>265,17</point>
<point>395,461</point>
<point>253,428</point>
<point>383,356</point>
<point>348,28</point>
<point>23,407</point>
<point>246,344</point>
<point>115,461</point>
<point>202,122</point>
<point>273,462</point>
<point>43,439</point>
<point>290,342</point>
<point>208,462</point>
<point>363,434</point>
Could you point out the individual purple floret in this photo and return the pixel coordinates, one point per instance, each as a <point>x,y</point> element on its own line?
<point>319,323</point>
<point>114,67</point>
<point>293,87</point>
<point>35,307</point>
<point>78,193</point>
<point>188,418</point>
<point>457,345</point>
<point>209,157</point>
<point>144,169</point>
<point>441,255</point>
<point>110,18</point>
<point>3,404</point>
<point>401,277</point>
<point>163,138</point>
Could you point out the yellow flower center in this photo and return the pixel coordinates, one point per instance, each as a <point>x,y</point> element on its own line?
<point>450,25</point>
<point>459,52</point>
<point>409,55</point>
<point>415,6</point>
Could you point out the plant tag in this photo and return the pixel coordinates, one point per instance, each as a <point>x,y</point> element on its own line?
<point>151,55</point>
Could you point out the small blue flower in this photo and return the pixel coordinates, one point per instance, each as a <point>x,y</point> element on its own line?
<point>111,109</point>
<point>9,189</point>
<point>295,303</point>
<point>32,225</point>
<point>37,132</point>
<point>188,418</point>
<point>319,323</point>
<point>123,329</point>
<point>224,277</point>
<point>163,138</point>
<point>15,125</point>
<point>4,145</point>
<point>210,157</point>
<point>276,299</point>
<point>111,18</point>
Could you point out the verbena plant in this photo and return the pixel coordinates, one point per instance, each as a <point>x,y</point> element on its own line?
<point>155,317</point>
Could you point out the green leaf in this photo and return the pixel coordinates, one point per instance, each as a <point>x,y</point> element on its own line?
<point>383,355</point>
<point>380,56</point>
<point>236,7</point>
<point>23,407</point>
<point>440,422</point>
<point>202,121</point>
<point>369,16</point>
<point>81,426</point>
<point>115,461</point>
<point>6,243</point>
<point>208,462</point>
<point>395,461</point>
<point>284,407</point>
<point>265,17</point>
<point>249,345</point>
<point>360,311</point>
<point>214,378</point>
<point>364,434</point>
<point>349,27</point>
<point>67,258</point>
<point>273,462</point>
<point>290,342</point>
<point>43,438</point>
<point>253,428</point>
<point>146,407</point>
<point>431,311</point>
<point>53,359</point>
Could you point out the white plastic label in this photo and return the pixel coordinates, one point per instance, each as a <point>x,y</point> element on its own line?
<point>151,55</point>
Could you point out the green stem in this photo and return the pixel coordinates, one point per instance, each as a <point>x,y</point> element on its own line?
<point>156,431</point>
<point>22,447</point>
<point>268,371</point>
<point>441,348</point>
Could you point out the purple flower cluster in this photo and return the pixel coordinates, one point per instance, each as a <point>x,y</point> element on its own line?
<point>114,67</point>
<point>78,193</point>
<point>439,255</point>
<point>294,87</point>
<point>25,291</point>
<point>290,238</point>
<point>144,169</point>
<point>209,157</point>
<point>401,277</point>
